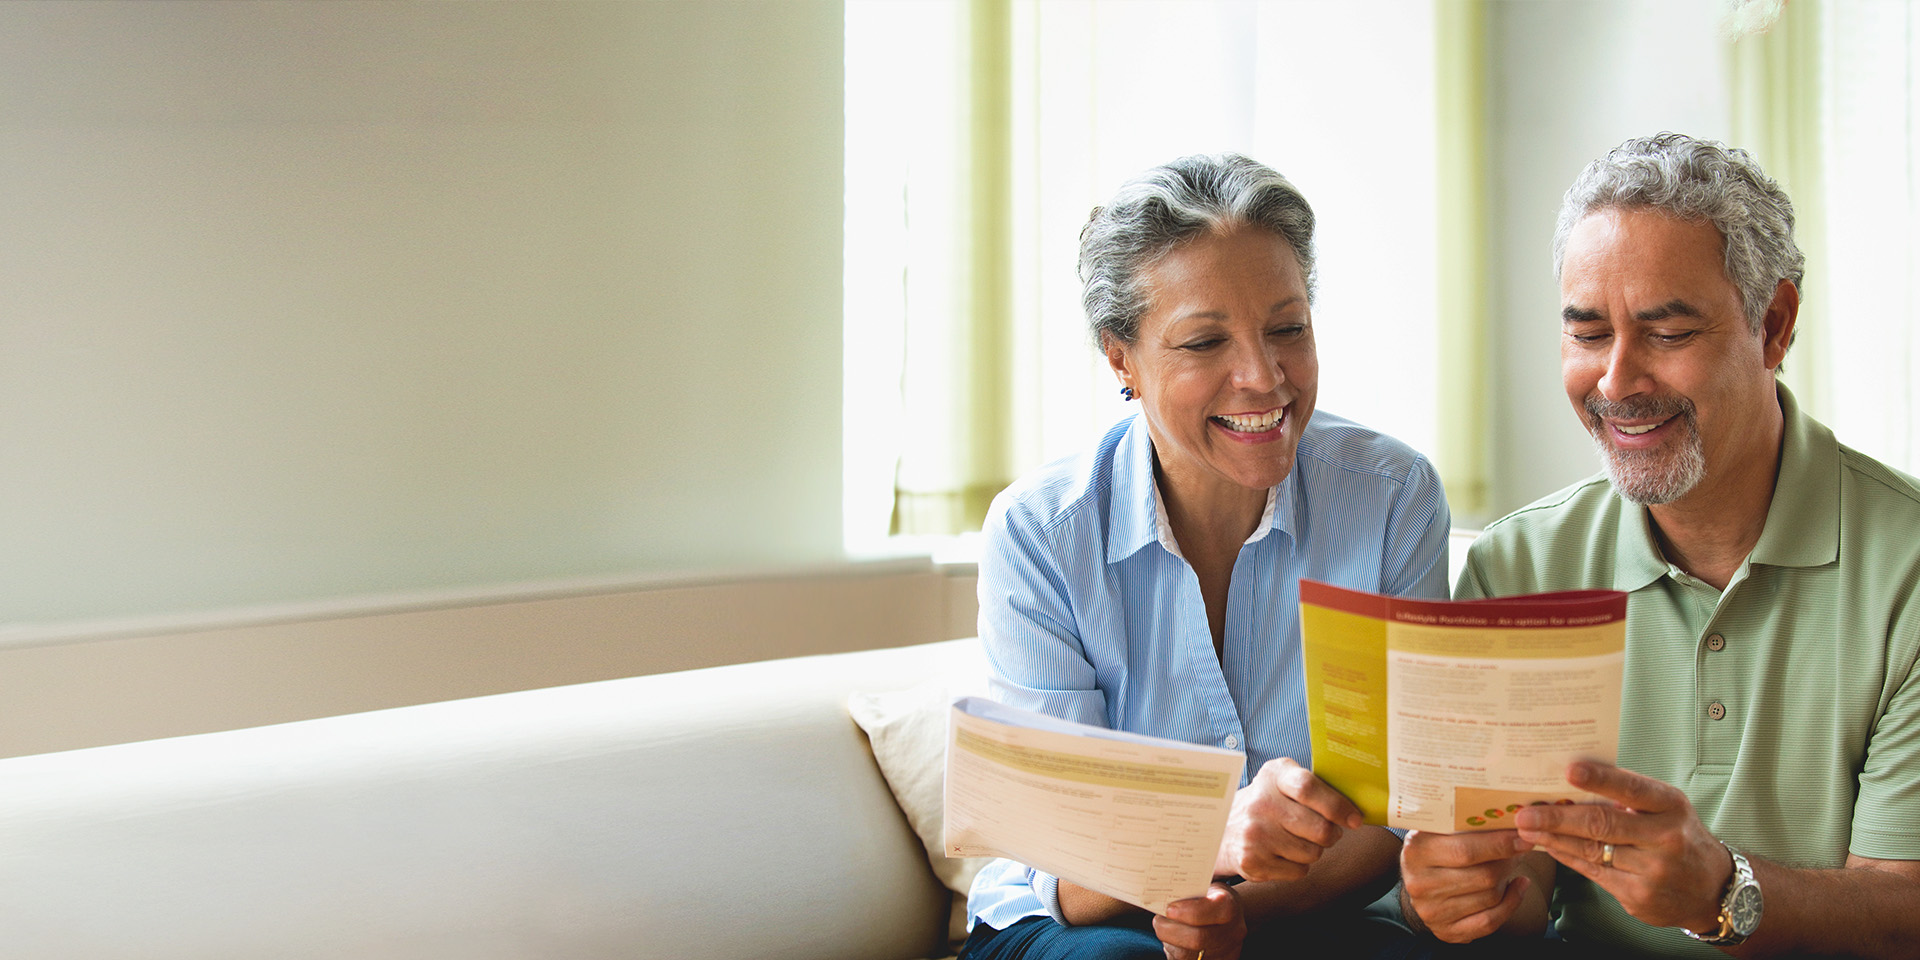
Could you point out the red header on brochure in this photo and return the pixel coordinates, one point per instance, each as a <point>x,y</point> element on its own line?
<point>1560,608</point>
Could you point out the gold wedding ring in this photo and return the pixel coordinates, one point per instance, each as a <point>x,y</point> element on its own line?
<point>1606,854</point>
<point>1202,955</point>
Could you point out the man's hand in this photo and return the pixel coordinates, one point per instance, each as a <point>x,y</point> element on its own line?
<point>1464,886</point>
<point>1666,870</point>
<point>1281,823</point>
<point>1213,923</point>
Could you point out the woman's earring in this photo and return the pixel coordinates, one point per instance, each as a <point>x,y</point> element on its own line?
<point>1126,393</point>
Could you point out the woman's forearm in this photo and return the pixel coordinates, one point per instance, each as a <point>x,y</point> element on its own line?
<point>1082,907</point>
<point>1355,871</point>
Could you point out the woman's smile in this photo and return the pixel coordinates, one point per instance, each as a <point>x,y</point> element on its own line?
<point>1253,427</point>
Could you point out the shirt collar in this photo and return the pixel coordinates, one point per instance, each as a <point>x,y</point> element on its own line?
<point>1803,518</point>
<point>1131,516</point>
<point>1138,514</point>
<point>1641,561</point>
<point>1803,521</point>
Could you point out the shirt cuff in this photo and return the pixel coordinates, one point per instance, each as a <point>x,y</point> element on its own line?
<point>1046,887</point>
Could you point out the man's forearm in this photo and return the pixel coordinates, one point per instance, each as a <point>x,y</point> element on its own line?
<point>1870,908</point>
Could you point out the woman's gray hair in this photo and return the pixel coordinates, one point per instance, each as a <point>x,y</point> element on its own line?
<point>1697,180</point>
<point>1171,205</point>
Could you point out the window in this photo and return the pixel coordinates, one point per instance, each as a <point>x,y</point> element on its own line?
<point>1859,352</point>
<point>979,136</point>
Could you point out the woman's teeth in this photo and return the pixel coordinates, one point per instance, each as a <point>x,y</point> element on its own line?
<point>1252,423</point>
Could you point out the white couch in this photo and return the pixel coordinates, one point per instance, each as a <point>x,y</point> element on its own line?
<point>728,813</point>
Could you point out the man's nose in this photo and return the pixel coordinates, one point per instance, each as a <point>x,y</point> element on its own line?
<point>1626,373</point>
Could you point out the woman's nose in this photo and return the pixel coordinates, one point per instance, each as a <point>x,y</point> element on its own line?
<point>1257,368</point>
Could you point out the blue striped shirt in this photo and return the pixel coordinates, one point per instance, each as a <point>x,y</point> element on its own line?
<point>1088,612</point>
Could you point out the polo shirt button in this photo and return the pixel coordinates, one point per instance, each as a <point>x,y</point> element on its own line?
<point>1232,742</point>
<point>1716,642</point>
<point>1716,711</point>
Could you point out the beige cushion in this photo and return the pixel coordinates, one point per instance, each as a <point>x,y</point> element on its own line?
<point>908,731</point>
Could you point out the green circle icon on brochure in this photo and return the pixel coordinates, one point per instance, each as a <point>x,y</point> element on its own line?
<point>1511,807</point>
<point>1494,813</point>
<point>1476,822</point>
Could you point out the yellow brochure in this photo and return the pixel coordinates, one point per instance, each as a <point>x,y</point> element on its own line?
<point>1452,715</point>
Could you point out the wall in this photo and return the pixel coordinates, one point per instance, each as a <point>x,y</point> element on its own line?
<point>308,300</point>
<point>1568,81</point>
<point>138,680</point>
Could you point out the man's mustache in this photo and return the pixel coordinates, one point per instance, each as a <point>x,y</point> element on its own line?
<point>1638,408</point>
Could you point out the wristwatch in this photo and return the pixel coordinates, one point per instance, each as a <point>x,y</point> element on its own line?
<point>1739,908</point>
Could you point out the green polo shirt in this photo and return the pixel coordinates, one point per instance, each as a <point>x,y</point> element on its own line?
<point>1787,707</point>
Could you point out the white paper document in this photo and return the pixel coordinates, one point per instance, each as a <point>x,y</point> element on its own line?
<point>1136,818</point>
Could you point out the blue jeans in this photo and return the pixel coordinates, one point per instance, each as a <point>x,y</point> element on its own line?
<point>1368,938</point>
<point>1039,938</point>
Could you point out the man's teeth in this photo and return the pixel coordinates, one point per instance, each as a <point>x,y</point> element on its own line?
<point>1252,423</point>
<point>1636,431</point>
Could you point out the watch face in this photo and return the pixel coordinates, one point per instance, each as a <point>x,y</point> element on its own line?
<point>1745,912</point>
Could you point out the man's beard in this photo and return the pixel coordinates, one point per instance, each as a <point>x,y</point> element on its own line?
<point>1649,477</point>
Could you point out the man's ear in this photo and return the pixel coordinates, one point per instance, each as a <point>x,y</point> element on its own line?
<point>1777,326</point>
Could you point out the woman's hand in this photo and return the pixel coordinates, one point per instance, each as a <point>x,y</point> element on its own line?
<point>1463,886</point>
<point>1212,923</point>
<point>1281,823</point>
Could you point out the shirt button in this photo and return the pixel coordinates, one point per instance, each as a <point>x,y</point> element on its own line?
<point>1233,742</point>
<point>1716,642</point>
<point>1716,711</point>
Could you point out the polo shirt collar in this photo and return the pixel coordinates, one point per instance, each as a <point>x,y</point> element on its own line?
<point>1803,519</point>
<point>1640,561</point>
<point>1135,518</point>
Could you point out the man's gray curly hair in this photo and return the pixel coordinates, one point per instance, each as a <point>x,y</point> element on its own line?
<point>1697,180</point>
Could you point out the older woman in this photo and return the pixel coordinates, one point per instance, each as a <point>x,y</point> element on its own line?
<point>1152,584</point>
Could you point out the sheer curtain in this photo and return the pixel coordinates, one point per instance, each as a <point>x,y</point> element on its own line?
<point>1828,99</point>
<point>967,358</point>
<point>1780,115</point>
<point>1870,128</point>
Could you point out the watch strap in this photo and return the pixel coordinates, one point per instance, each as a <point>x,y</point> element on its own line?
<point>1725,934</point>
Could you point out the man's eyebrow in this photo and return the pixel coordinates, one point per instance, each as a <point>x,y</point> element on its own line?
<point>1672,308</point>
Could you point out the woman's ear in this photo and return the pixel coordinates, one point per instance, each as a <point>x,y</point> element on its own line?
<point>1119,359</point>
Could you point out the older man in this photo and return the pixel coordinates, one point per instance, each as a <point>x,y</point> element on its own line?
<point>1768,787</point>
